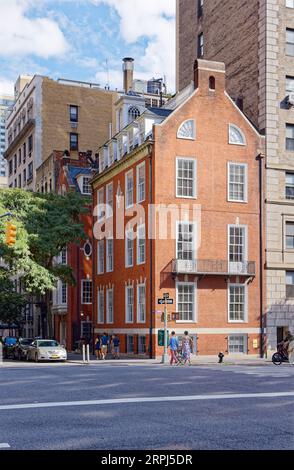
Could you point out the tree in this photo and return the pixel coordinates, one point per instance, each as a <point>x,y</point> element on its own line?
<point>46,223</point>
<point>11,303</point>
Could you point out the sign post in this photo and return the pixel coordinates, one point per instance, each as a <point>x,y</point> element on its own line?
<point>165,301</point>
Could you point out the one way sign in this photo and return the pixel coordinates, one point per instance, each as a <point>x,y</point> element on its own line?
<point>165,301</point>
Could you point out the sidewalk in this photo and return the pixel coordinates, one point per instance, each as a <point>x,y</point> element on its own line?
<point>196,360</point>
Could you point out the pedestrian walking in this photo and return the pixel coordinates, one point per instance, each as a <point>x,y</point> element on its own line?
<point>98,347</point>
<point>291,352</point>
<point>173,346</point>
<point>104,345</point>
<point>116,343</point>
<point>187,345</point>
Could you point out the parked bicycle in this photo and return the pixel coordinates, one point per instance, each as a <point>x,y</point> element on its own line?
<point>281,355</point>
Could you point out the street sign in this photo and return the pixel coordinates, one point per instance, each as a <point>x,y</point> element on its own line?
<point>165,301</point>
<point>166,295</point>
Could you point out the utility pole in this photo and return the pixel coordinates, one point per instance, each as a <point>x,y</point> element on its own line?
<point>165,358</point>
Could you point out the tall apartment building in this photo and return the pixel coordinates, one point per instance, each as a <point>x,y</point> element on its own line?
<point>255,39</point>
<point>175,212</point>
<point>6,101</point>
<point>50,115</point>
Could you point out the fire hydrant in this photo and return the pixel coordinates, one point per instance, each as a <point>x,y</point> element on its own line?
<point>220,357</point>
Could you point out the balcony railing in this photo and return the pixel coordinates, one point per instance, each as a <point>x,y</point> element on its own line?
<point>213,267</point>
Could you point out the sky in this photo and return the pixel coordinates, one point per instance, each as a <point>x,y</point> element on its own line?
<point>86,40</point>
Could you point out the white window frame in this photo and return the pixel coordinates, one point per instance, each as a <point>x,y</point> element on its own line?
<point>142,165</point>
<point>62,286</point>
<point>83,281</point>
<point>109,269</point>
<point>182,125</point>
<point>127,265</point>
<point>127,288</point>
<point>138,310</point>
<point>245,336</point>
<point>194,242</point>
<point>108,321</point>
<point>140,228</point>
<point>245,227</point>
<point>88,184</point>
<point>241,144</point>
<point>100,317</point>
<point>244,165</point>
<point>99,260</point>
<point>128,204</point>
<point>100,202</point>
<point>236,284</point>
<point>194,177</point>
<point>195,310</point>
<point>109,212</point>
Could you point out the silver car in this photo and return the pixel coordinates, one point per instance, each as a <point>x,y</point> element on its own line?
<point>46,350</point>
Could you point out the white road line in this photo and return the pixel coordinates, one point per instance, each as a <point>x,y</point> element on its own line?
<point>145,400</point>
<point>4,445</point>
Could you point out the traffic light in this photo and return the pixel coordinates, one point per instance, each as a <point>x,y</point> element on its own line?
<point>10,234</point>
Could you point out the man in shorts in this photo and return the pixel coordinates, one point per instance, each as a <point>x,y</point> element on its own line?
<point>104,345</point>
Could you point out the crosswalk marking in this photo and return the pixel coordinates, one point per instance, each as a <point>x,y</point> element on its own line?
<point>146,400</point>
<point>4,445</point>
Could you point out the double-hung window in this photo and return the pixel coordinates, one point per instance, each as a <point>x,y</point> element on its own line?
<point>100,201</point>
<point>237,303</point>
<point>186,178</point>
<point>109,306</point>
<point>109,200</point>
<point>289,284</point>
<point>129,247</point>
<point>73,113</point>
<point>129,304</point>
<point>237,182</point>
<point>141,182</point>
<point>74,141</point>
<point>86,292</point>
<point>109,255</point>
<point>185,241</point>
<point>141,244</point>
<point>290,186</point>
<point>101,306</point>
<point>141,303</point>
<point>100,257</point>
<point>186,301</point>
<point>237,344</point>
<point>290,137</point>
<point>290,42</point>
<point>63,293</point>
<point>86,186</point>
<point>290,235</point>
<point>129,182</point>
<point>237,248</point>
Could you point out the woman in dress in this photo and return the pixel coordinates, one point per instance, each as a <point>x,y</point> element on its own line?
<point>186,348</point>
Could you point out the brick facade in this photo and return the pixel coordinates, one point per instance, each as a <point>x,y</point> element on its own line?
<point>212,111</point>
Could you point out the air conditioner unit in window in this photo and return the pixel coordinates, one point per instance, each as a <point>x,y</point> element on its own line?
<point>74,125</point>
<point>290,99</point>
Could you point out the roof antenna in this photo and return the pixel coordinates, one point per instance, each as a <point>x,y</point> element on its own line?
<point>107,72</point>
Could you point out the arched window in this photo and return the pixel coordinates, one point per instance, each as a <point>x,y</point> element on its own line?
<point>212,83</point>
<point>187,130</point>
<point>133,113</point>
<point>236,136</point>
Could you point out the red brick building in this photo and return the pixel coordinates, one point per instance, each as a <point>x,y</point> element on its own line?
<point>189,176</point>
<point>72,305</point>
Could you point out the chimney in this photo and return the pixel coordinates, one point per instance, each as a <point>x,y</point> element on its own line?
<point>128,70</point>
<point>209,77</point>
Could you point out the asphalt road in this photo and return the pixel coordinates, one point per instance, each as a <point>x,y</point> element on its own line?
<point>116,406</point>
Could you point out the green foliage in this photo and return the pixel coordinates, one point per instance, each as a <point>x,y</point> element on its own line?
<point>46,223</point>
<point>11,303</point>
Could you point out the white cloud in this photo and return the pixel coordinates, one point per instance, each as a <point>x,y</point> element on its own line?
<point>6,87</point>
<point>21,35</point>
<point>155,20</point>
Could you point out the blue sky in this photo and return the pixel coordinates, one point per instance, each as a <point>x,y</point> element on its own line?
<point>81,39</point>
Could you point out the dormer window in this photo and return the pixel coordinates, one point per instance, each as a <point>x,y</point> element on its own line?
<point>86,186</point>
<point>133,113</point>
<point>236,136</point>
<point>187,130</point>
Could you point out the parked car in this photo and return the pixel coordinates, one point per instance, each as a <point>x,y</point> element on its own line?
<point>46,350</point>
<point>8,347</point>
<point>21,348</point>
